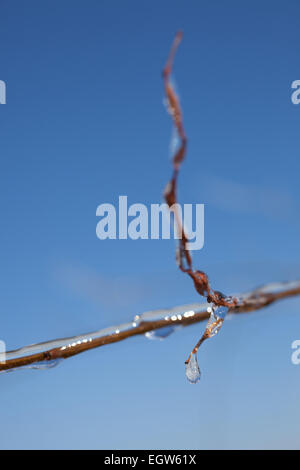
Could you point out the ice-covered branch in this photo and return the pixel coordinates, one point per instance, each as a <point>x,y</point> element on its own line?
<point>154,324</point>
<point>220,303</point>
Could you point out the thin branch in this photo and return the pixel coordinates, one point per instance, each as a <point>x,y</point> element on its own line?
<point>200,278</point>
<point>46,355</point>
<point>184,259</point>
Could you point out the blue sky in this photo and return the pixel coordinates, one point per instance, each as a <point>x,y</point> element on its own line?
<point>84,123</point>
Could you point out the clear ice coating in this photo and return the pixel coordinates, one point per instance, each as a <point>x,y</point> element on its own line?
<point>172,314</point>
<point>192,370</point>
<point>278,287</point>
<point>215,322</point>
<point>174,143</point>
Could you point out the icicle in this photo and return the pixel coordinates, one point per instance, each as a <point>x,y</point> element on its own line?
<point>192,370</point>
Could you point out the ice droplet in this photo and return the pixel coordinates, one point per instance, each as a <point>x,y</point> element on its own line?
<point>192,370</point>
<point>221,312</point>
<point>161,333</point>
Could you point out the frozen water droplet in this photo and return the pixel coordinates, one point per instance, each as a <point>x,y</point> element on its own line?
<point>192,370</point>
<point>161,333</point>
<point>221,312</point>
<point>45,364</point>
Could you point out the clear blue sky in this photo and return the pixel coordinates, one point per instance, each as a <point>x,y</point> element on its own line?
<point>84,123</point>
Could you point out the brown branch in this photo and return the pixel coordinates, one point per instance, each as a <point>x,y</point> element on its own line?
<point>200,278</point>
<point>252,301</point>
